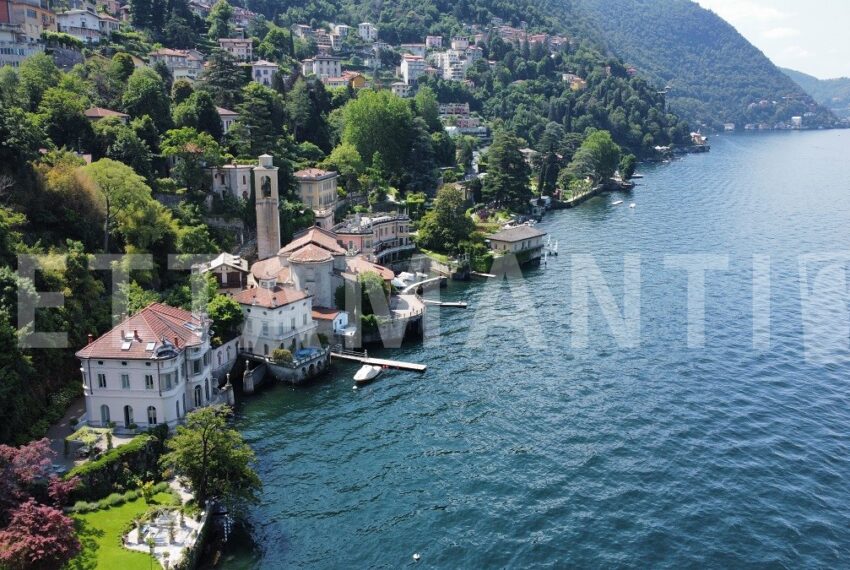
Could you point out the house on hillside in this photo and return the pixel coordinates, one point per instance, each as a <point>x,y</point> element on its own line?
<point>317,189</point>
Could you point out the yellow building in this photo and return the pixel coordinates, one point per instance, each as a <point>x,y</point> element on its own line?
<point>34,17</point>
<point>317,190</point>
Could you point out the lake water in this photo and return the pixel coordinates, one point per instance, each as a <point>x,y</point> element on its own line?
<point>521,447</point>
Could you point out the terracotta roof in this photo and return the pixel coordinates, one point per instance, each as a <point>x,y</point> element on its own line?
<point>517,233</point>
<point>359,264</point>
<point>311,253</point>
<point>271,268</point>
<point>269,298</point>
<point>315,235</point>
<point>324,313</point>
<point>314,173</point>
<point>222,112</point>
<point>146,331</point>
<point>100,113</point>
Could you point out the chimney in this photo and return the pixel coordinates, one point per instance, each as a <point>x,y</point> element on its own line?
<point>136,335</point>
<point>177,342</point>
<point>91,338</point>
<point>122,335</point>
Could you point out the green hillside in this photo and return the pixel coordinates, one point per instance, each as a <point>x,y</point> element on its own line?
<point>715,75</point>
<point>834,94</point>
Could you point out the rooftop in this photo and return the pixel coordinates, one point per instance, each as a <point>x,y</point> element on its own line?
<point>517,233</point>
<point>359,264</point>
<point>226,112</point>
<point>311,253</point>
<point>324,313</point>
<point>101,113</point>
<point>271,268</point>
<point>269,298</point>
<point>314,174</point>
<point>139,336</point>
<point>317,236</point>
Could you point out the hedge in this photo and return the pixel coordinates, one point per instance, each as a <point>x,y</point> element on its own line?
<point>120,468</point>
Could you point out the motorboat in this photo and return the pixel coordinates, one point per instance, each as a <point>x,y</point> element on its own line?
<point>617,203</point>
<point>632,205</point>
<point>366,374</point>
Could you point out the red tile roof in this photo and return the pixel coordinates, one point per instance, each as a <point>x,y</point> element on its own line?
<point>359,264</point>
<point>324,313</point>
<point>100,113</point>
<point>156,323</point>
<point>269,298</point>
<point>314,174</point>
<point>311,253</point>
<point>226,112</point>
<point>315,235</point>
<point>271,268</point>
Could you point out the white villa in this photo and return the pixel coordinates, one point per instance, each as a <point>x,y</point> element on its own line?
<point>227,117</point>
<point>368,32</point>
<point>151,369</point>
<point>322,66</point>
<point>263,71</point>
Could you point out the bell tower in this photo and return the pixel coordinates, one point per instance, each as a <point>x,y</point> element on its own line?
<point>268,217</point>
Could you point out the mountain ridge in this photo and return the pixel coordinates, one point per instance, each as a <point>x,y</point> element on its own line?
<point>833,93</point>
<point>715,75</point>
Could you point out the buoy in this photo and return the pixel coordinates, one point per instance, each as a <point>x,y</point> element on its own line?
<point>416,556</point>
<point>354,387</point>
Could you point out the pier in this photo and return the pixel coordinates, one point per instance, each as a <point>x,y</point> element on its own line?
<point>363,358</point>
<point>446,304</point>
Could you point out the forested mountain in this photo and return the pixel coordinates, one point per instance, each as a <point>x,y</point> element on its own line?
<point>834,94</point>
<point>715,75</point>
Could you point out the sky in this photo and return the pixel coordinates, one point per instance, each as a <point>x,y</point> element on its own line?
<point>812,36</point>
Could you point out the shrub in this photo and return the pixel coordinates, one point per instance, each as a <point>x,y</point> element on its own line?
<point>114,500</point>
<point>282,355</point>
<point>119,468</point>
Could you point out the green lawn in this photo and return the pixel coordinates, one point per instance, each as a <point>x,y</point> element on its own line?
<point>100,534</point>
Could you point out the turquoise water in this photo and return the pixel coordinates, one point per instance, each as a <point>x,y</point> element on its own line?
<point>523,449</point>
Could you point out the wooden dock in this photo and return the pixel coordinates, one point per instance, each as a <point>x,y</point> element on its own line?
<point>365,359</point>
<point>446,304</point>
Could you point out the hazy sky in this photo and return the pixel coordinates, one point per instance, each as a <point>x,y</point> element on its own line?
<point>812,36</point>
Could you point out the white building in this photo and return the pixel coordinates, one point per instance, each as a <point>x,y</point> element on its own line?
<point>434,42</point>
<point>82,24</point>
<point>415,49</point>
<point>412,68</point>
<point>241,49</point>
<point>233,179</point>
<point>227,117</point>
<point>263,71</point>
<point>322,66</point>
<point>151,369</point>
<point>183,64</point>
<point>14,46</point>
<point>367,31</point>
<point>460,43</point>
<point>276,317</point>
<point>525,242</point>
<point>342,30</point>
<point>400,89</point>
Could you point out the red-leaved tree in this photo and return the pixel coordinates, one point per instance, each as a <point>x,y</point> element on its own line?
<point>37,537</point>
<point>20,467</point>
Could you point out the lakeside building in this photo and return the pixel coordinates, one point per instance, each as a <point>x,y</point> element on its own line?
<point>241,49</point>
<point>275,317</point>
<point>523,241</point>
<point>150,369</point>
<point>379,238</point>
<point>317,190</point>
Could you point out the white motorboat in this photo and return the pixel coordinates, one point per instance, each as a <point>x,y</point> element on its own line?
<point>367,373</point>
<point>632,205</point>
<point>617,203</point>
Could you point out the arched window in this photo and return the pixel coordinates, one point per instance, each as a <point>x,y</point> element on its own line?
<point>128,416</point>
<point>266,186</point>
<point>104,415</point>
<point>198,397</point>
<point>207,389</point>
<point>151,416</point>
<point>178,408</point>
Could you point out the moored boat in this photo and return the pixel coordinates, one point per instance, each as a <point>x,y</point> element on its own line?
<point>366,374</point>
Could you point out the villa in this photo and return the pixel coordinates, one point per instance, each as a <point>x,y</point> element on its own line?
<point>150,369</point>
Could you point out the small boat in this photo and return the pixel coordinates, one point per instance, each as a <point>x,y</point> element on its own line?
<point>632,205</point>
<point>617,203</point>
<point>636,175</point>
<point>366,374</point>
